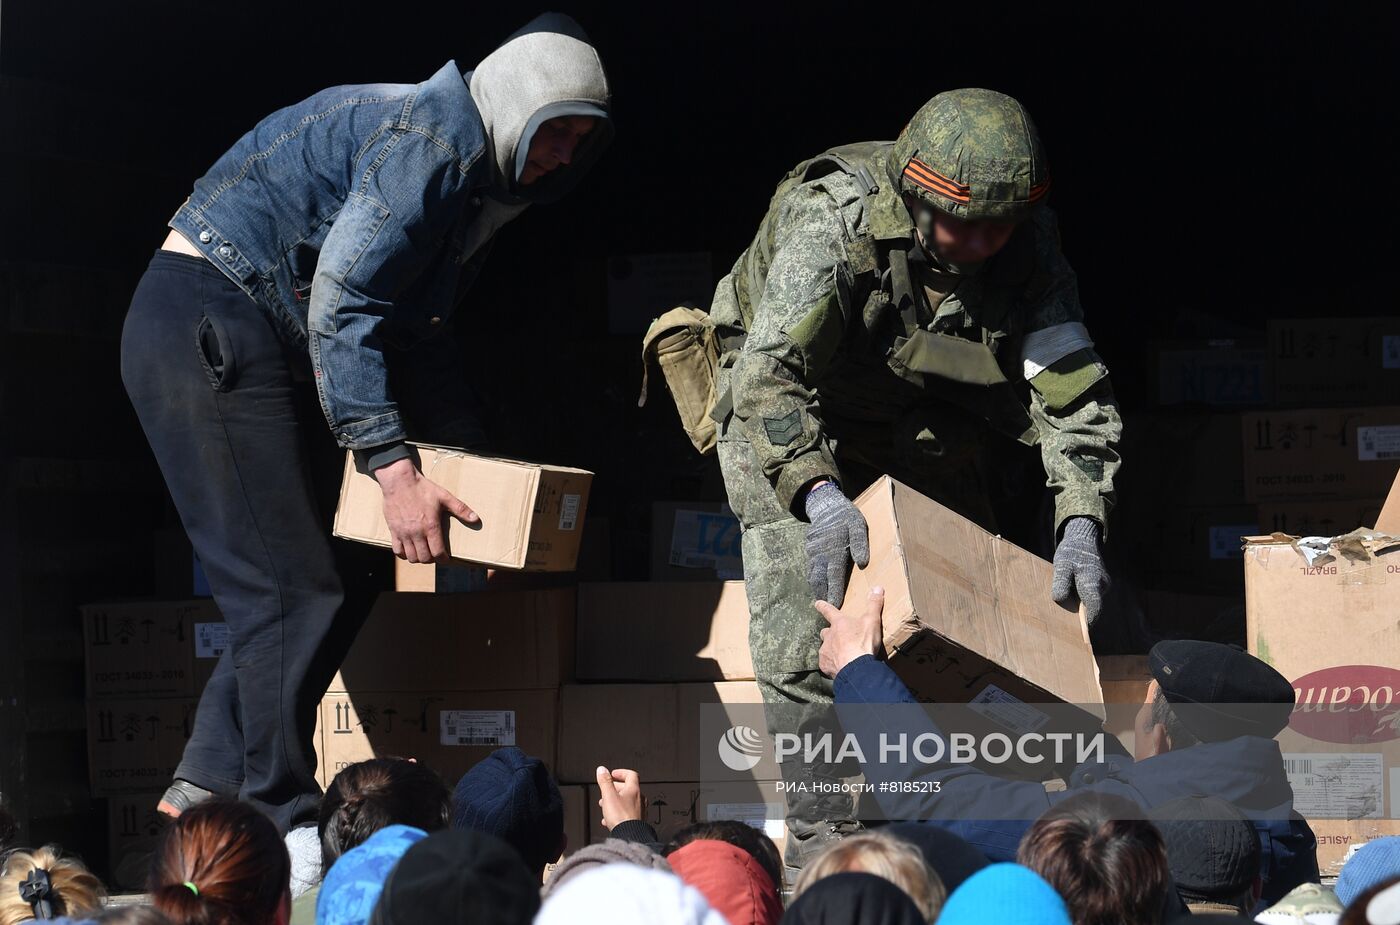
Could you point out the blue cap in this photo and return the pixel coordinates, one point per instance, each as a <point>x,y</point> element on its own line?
<point>1004,893</point>
<point>354,882</point>
<point>1373,863</point>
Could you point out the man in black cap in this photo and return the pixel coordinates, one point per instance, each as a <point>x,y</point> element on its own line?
<point>1205,728</point>
<point>1213,852</point>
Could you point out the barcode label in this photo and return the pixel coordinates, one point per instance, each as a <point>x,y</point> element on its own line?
<point>1297,765</point>
<point>210,639</point>
<point>568,512</point>
<point>1378,443</point>
<point>477,727</point>
<point>1336,785</point>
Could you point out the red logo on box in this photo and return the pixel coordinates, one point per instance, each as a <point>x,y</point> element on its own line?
<point>1348,704</point>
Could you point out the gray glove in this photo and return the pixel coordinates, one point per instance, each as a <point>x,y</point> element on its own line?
<point>837,535</point>
<point>1079,567</point>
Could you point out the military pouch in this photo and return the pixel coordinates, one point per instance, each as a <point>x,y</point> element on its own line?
<point>684,344</point>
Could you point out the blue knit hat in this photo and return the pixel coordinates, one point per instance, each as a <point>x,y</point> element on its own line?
<point>1372,863</point>
<point>354,882</point>
<point>1004,893</point>
<point>511,795</point>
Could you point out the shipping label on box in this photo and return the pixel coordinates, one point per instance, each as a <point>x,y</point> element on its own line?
<point>1321,453</point>
<point>693,631</point>
<point>492,640</point>
<point>448,731</point>
<point>151,648</point>
<point>695,541</point>
<point>673,806</point>
<point>965,609</point>
<point>531,516</point>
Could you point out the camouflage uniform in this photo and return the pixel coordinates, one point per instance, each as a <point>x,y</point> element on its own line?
<point>820,387</point>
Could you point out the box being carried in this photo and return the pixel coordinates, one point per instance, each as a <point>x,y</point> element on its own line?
<point>968,616</point>
<point>531,514</point>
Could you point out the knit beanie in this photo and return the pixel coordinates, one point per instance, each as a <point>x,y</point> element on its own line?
<point>1004,893</point>
<point>1372,863</point>
<point>611,851</point>
<point>511,795</point>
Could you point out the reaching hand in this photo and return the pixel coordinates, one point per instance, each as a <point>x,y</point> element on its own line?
<point>621,796</point>
<point>852,635</point>
<point>837,536</point>
<point>1079,568</point>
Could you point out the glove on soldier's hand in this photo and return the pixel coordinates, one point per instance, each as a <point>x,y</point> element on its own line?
<point>1079,567</point>
<point>837,536</point>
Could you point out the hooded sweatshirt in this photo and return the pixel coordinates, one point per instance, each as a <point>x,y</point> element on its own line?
<point>544,71</point>
<point>730,880</point>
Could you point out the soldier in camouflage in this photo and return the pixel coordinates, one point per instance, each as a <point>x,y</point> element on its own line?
<point>900,303</point>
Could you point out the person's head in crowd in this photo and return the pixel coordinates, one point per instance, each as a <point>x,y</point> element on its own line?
<point>222,863</point>
<point>370,795</point>
<point>729,875</point>
<point>952,858</point>
<point>883,854</point>
<point>739,834</point>
<point>1377,905</point>
<point>131,914</point>
<point>1208,692</point>
<point>608,852</point>
<point>1004,894</point>
<point>1110,867</point>
<point>459,878</point>
<point>1372,863</point>
<point>626,894</point>
<point>856,899</point>
<point>512,796</point>
<point>44,884</point>
<point>1305,904</point>
<point>1213,852</point>
<point>352,886</point>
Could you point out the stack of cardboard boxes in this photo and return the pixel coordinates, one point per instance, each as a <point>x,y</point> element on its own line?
<point>1294,433</point>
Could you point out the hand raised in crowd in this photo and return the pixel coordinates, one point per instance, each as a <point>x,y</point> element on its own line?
<point>622,797</point>
<point>855,631</point>
<point>413,507</point>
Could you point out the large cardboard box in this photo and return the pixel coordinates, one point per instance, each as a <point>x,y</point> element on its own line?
<point>594,564</point>
<point>492,640</point>
<point>695,541</point>
<point>675,805</point>
<point>968,616</point>
<point>531,514</point>
<point>654,729</point>
<point>1329,626</point>
<point>152,648</point>
<point>1318,518</point>
<point>663,631</point>
<point>135,744</point>
<point>1335,361</point>
<point>133,824</point>
<point>1187,546</point>
<point>1180,457</point>
<point>1321,453</point>
<point>1213,372</point>
<point>449,731</point>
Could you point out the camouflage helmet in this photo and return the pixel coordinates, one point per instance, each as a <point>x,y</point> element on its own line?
<point>973,154</point>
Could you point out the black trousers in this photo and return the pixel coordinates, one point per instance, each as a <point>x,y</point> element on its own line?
<point>232,432</point>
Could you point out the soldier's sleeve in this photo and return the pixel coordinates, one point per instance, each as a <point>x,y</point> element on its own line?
<point>797,327</point>
<point>1072,401</point>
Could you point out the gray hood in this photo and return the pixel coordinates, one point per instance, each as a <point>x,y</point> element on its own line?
<point>545,70</point>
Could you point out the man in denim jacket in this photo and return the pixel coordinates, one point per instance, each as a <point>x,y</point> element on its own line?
<point>333,240</point>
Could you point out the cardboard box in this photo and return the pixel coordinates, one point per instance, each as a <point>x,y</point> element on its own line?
<point>135,744</point>
<point>672,806</point>
<point>531,515</point>
<point>695,541</point>
<point>663,631</point>
<point>1188,546</point>
<point>133,825</point>
<point>1329,626</point>
<point>1184,457</point>
<point>966,611</point>
<point>449,731</point>
<point>576,821</point>
<point>152,648</point>
<point>654,729</point>
<point>1318,518</point>
<point>1316,454</point>
<point>1124,679</point>
<point>594,564</point>
<point>1213,372</point>
<point>492,640</point>
<point>1335,361</point>
<point>1388,520</point>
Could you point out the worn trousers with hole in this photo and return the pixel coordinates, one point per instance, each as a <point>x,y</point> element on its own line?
<point>214,389</point>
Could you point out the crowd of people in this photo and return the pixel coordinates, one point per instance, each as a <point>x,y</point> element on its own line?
<point>397,846</point>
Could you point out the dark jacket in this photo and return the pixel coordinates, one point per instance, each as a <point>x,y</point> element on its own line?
<point>992,814</point>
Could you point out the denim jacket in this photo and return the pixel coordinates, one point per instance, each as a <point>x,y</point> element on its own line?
<point>345,218</point>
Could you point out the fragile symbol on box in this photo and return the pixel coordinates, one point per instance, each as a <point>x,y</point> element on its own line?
<point>210,639</point>
<point>477,727</point>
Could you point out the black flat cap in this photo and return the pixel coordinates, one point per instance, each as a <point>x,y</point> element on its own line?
<point>1212,849</point>
<point>1221,692</point>
<point>459,876</point>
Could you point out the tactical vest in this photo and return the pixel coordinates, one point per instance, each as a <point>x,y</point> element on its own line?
<point>895,311</point>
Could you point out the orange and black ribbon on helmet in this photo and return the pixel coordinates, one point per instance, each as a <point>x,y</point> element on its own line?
<point>925,177</point>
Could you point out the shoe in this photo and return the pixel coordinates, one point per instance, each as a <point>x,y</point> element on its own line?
<point>799,851</point>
